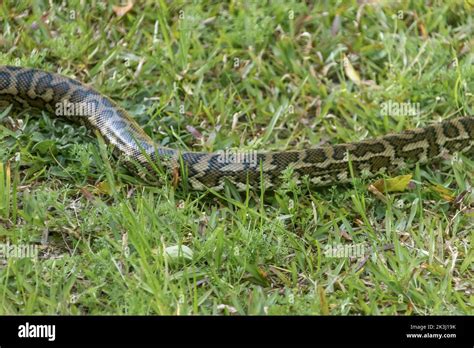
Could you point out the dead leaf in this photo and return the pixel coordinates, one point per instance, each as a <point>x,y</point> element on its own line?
<point>103,188</point>
<point>460,197</point>
<point>202,225</point>
<point>377,193</point>
<point>89,196</point>
<point>125,245</point>
<point>194,132</point>
<point>336,25</point>
<point>469,4</point>
<point>421,26</point>
<point>188,89</point>
<point>396,184</point>
<point>404,236</point>
<point>230,309</point>
<point>122,10</point>
<point>386,247</point>
<point>351,73</point>
<point>424,33</point>
<point>175,178</point>
<point>323,301</point>
<point>262,272</point>
<point>130,192</point>
<point>361,263</point>
<point>409,308</point>
<point>443,192</point>
<point>345,235</point>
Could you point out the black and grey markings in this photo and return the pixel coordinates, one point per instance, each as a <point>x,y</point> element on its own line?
<point>5,80</point>
<point>315,156</point>
<point>340,152</point>
<point>44,84</point>
<point>25,80</point>
<point>60,90</point>
<point>450,131</point>
<point>79,95</point>
<point>468,124</point>
<point>324,165</point>
<point>364,148</point>
<point>283,159</point>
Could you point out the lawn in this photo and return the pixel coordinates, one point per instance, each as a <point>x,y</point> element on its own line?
<point>207,76</point>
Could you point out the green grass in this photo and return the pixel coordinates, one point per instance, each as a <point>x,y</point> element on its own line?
<point>246,75</point>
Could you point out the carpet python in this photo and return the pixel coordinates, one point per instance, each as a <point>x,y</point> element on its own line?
<point>324,165</point>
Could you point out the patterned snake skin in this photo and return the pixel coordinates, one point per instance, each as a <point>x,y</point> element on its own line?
<point>323,165</point>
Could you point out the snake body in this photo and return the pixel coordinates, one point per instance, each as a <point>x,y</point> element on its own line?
<point>324,165</point>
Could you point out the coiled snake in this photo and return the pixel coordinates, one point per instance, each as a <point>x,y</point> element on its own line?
<point>323,165</point>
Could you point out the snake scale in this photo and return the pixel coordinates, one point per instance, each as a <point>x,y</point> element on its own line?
<point>324,165</point>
